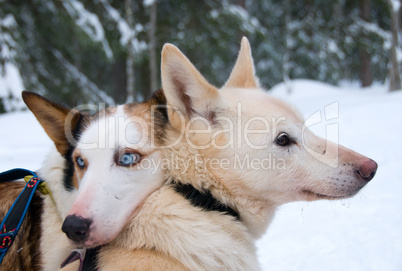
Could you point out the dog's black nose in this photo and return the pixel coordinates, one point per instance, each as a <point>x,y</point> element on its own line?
<point>76,228</point>
<point>368,169</point>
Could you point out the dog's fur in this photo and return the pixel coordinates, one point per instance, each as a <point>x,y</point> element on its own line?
<point>168,226</point>
<point>170,233</point>
<point>104,192</point>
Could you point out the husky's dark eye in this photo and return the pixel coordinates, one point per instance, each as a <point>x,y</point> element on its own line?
<point>283,140</point>
<point>80,162</point>
<point>129,159</point>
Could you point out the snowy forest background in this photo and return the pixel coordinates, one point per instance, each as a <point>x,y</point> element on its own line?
<point>80,51</point>
<point>77,51</point>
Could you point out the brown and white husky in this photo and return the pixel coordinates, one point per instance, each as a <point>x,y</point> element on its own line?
<point>96,177</point>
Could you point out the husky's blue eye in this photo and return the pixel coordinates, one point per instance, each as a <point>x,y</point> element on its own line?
<point>128,159</point>
<point>80,162</point>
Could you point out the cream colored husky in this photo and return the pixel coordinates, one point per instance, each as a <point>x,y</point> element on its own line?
<point>250,151</point>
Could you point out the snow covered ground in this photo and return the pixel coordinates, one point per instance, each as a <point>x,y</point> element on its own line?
<point>362,233</point>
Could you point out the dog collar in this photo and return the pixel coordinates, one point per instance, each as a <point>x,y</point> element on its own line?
<point>204,199</point>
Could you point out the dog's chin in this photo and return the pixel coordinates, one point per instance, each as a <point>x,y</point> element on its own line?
<point>96,238</point>
<point>310,195</point>
<point>90,243</point>
<point>83,245</point>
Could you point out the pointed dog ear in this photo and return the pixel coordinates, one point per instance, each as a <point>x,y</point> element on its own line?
<point>57,120</point>
<point>243,73</point>
<point>185,88</point>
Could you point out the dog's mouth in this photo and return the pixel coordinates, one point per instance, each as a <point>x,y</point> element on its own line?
<point>328,197</point>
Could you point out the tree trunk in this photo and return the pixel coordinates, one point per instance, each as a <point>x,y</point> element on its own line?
<point>286,55</point>
<point>152,46</point>
<point>366,77</point>
<point>241,3</point>
<point>365,68</point>
<point>400,15</point>
<point>394,76</point>
<point>118,80</point>
<point>130,87</point>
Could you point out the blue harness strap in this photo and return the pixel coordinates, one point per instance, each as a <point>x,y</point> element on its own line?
<point>11,223</point>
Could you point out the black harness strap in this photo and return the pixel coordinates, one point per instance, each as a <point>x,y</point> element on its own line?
<point>204,199</point>
<point>11,223</point>
<point>87,259</point>
<point>90,261</point>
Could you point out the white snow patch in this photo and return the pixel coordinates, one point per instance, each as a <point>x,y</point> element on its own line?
<point>25,143</point>
<point>127,34</point>
<point>122,25</point>
<point>11,85</point>
<point>371,27</point>
<point>148,3</point>
<point>396,5</point>
<point>89,22</point>
<point>7,43</point>
<point>333,48</point>
<point>214,13</point>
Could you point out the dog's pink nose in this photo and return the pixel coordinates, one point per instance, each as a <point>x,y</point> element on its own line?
<point>368,169</point>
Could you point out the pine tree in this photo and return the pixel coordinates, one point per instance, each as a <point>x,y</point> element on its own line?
<point>77,51</point>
